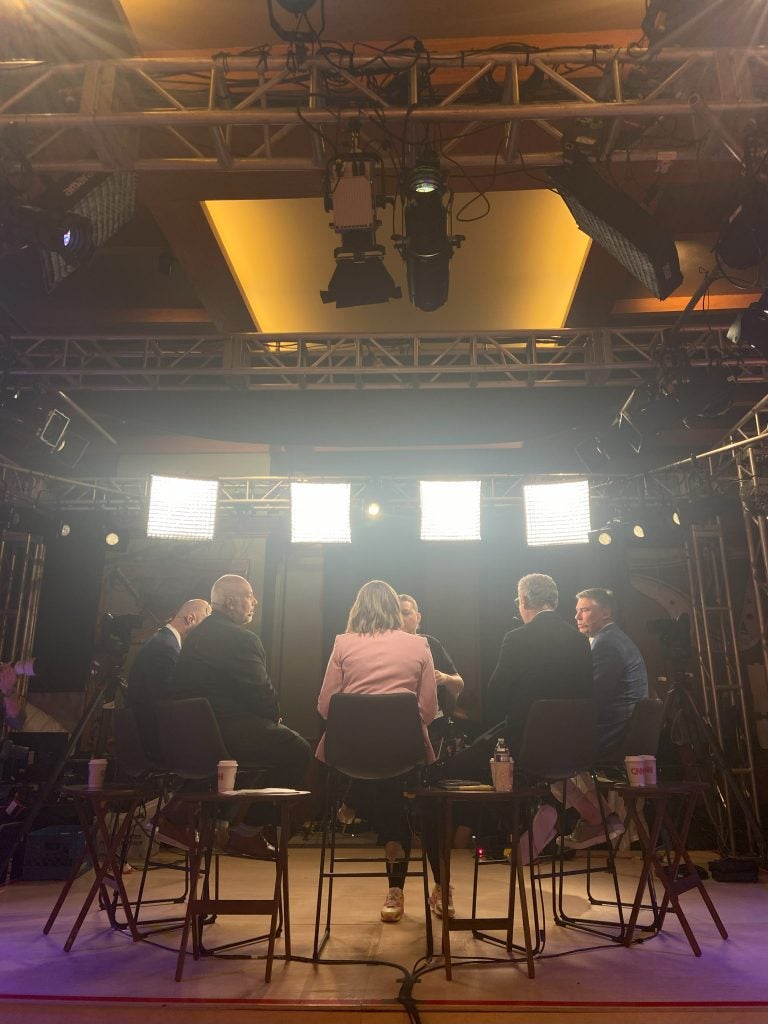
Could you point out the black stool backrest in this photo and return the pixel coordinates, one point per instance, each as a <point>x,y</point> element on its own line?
<point>191,739</point>
<point>643,729</point>
<point>131,756</point>
<point>374,736</point>
<point>560,739</point>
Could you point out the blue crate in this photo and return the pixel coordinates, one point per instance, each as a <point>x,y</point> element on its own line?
<point>50,853</point>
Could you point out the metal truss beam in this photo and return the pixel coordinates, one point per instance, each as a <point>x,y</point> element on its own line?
<point>265,493</point>
<point>256,113</point>
<point>558,358</point>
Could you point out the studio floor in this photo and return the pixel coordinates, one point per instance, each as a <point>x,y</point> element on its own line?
<point>578,976</point>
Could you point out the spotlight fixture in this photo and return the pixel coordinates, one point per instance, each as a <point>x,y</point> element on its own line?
<point>426,247</point>
<point>450,509</point>
<point>373,510</point>
<point>111,538</point>
<point>360,277</point>
<point>299,8</point>
<point>620,225</point>
<point>750,328</point>
<point>69,235</point>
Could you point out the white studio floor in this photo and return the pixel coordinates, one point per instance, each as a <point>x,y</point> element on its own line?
<point>578,974</point>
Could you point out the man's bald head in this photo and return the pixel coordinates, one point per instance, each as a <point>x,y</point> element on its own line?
<point>190,614</point>
<point>233,596</point>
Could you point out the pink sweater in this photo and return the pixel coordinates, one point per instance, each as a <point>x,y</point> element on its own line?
<point>389,662</point>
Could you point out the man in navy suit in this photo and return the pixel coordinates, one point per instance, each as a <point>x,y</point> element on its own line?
<point>621,681</point>
<point>150,673</point>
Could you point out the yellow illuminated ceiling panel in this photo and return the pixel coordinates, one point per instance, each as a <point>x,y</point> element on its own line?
<point>518,267</point>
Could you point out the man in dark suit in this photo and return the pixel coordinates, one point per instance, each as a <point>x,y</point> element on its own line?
<point>224,662</point>
<point>544,659</point>
<point>150,673</point>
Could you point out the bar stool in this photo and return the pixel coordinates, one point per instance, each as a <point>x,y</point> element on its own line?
<point>371,737</point>
<point>512,803</point>
<point>671,807</point>
<point>642,736</point>
<point>559,743</point>
<point>104,846</point>
<point>133,761</point>
<point>192,748</point>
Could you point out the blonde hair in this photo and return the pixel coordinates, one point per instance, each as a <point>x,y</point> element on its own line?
<point>376,608</point>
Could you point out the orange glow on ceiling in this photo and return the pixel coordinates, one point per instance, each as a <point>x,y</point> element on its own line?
<point>518,266</point>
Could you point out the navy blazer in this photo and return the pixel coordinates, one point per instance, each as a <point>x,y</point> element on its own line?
<point>546,659</point>
<point>149,680</point>
<point>620,682</point>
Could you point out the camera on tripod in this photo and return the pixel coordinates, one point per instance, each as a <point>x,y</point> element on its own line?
<point>674,637</point>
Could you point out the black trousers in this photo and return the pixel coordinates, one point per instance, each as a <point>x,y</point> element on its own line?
<point>284,754</point>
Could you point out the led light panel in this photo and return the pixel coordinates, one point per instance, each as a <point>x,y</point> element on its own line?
<point>182,509</point>
<point>320,514</point>
<point>557,513</point>
<point>450,510</point>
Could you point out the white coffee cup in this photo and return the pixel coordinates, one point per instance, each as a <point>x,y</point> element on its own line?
<point>635,765</point>
<point>97,771</point>
<point>227,770</point>
<point>649,769</point>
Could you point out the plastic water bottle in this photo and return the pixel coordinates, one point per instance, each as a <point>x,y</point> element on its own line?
<point>502,767</point>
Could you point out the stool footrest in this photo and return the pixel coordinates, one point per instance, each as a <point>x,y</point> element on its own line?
<point>212,906</point>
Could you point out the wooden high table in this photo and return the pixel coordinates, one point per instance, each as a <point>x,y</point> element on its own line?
<point>672,805</point>
<point>104,846</point>
<point>442,801</point>
<point>201,904</point>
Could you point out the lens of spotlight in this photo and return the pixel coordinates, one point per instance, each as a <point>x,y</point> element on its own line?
<point>676,518</point>
<point>638,531</point>
<point>111,539</point>
<point>604,538</point>
<point>373,510</point>
<point>64,530</point>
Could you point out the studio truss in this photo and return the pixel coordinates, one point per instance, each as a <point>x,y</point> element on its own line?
<point>494,109</point>
<point>557,358</point>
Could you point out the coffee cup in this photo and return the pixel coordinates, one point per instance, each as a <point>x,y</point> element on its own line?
<point>502,775</point>
<point>649,770</point>
<point>227,770</point>
<point>635,765</point>
<point>97,772</point>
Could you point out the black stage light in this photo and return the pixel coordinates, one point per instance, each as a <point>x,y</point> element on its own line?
<point>744,240</point>
<point>751,326</point>
<point>360,281</point>
<point>67,234</point>
<point>621,226</point>
<point>426,247</point>
<point>299,8</point>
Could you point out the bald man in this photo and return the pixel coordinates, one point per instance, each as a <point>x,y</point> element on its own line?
<point>224,662</point>
<point>150,673</point>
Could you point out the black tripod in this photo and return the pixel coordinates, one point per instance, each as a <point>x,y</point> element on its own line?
<point>726,803</point>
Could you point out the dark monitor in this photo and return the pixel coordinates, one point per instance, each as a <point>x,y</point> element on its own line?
<point>45,751</point>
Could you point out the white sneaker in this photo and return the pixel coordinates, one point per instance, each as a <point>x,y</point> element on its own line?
<point>392,910</point>
<point>584,835</point>
<point>543,829</point>
<point>436,901</point>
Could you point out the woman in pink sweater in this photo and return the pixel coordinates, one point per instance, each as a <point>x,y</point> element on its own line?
<point>376,656</point>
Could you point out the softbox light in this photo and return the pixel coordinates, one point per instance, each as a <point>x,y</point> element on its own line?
<point>621,226</point>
